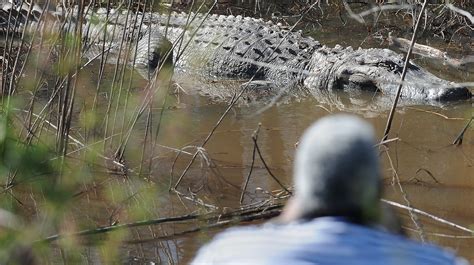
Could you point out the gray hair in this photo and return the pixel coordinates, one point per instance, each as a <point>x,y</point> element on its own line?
<point>337,169</point>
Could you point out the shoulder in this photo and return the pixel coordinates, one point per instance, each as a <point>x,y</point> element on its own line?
<point>243,235</point>
<point>317,241</point>
<point>237,244</point>
<point>405,250</point>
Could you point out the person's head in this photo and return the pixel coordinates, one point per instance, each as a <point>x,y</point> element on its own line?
<point>336,171</point>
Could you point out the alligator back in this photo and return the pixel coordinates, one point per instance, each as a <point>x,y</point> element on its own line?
<point>231,46</point>
<point>235,46</point>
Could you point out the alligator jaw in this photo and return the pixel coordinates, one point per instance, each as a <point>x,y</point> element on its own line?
<point>378,70</point>
<point>453,93</point>
<point>423,86</point>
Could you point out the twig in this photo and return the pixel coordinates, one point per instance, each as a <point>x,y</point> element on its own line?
<point>443,235</point>
<point>197,201</point>
<point>107,229</point>
<point>255,134</point>
<point>360,16</point>
<point>258,216</point>
<point>404,72</point>
<point>413,216</point>
<point>243,215</point>
<point>423,50</point>
<point>429,52</point>
<point>254,138</point>
<point>435,113</point>
<point>387,141</point>
<point>458,140</point>
<point>427,172</point>
<point>462,12</point>
<point>436,218</point>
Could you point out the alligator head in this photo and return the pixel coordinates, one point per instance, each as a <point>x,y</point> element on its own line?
<point>378,70</point>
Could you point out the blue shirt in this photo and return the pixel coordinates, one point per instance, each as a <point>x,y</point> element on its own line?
<point>325,240</point>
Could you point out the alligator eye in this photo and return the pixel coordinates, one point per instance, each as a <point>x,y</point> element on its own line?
<point>348,80</point>
<point>391,66</point>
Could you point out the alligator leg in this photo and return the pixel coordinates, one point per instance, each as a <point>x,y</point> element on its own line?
<point>153,50</point>
<point>256,90</point>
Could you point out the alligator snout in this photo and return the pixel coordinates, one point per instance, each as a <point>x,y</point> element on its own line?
<point>451,93</point>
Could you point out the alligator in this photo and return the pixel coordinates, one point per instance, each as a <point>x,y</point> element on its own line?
<point>236,47</point>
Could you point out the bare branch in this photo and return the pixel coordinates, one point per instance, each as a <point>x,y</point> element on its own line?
<point>436,218</point>
<point>360,16</point>
<point>461,11</point>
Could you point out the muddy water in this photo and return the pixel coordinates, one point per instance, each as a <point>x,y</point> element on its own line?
<point>435,175</point>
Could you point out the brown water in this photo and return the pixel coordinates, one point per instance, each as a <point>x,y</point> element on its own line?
<point>425,136</point>
<point>424,145</point>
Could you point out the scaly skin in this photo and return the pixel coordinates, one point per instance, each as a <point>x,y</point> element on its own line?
<point>236,47</point>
